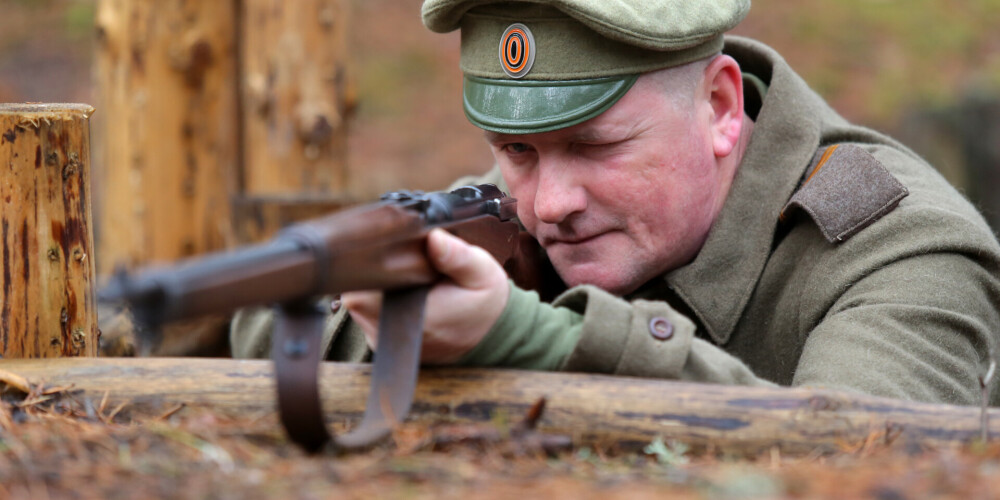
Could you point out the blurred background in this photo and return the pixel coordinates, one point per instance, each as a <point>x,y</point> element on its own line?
<point>925,71</point>
<point>218,122</point>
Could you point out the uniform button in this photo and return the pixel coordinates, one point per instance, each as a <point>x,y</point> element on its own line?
<point>660,328</point>
<point>335,305</point>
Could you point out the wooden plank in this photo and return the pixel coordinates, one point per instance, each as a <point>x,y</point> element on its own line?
<point>624,410</point>
<point>47,295</point>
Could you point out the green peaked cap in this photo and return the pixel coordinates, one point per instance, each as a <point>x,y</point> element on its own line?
<point>537,65</point>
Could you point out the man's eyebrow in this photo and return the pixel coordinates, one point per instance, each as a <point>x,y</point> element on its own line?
<point>585,136</point>
<point>492,137</point>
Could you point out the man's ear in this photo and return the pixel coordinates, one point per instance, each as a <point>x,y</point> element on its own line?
<point>724,89</point>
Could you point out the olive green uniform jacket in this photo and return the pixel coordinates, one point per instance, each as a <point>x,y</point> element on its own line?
<point>840,259</point>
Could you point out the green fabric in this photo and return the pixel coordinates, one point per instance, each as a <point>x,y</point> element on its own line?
<point>251,329</point>
<point>513,107</point>
<point>565,49</point>
<point>584,57</point>
<point>651,24</point>
<point>905,308</point>
<point>529,334</point>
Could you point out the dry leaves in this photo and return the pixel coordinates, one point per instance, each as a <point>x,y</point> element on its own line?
<point>56,442</point>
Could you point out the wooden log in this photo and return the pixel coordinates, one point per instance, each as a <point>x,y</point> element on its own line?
<point>47,292</point>
<point>296,99</point>
<point>260,217</point>
<point>166,80</point>
<point>623,410</point>
<point>296,96</point>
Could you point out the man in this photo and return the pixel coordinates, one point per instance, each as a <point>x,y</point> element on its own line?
<point>712,219</point>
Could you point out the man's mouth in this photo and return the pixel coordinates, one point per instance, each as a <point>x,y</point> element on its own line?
<point>548,241</point>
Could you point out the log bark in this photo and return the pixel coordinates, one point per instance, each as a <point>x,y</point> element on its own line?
<point>260,217</point>
<point>166,78</point>
<point>47,292</point>
<point>206,102</point>
<point>591,408</point>
<point>296,99</point>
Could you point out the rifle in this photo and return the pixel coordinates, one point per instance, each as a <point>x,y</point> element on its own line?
<point>375,246</point>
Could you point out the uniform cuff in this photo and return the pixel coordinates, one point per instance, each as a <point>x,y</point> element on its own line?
<point>638,338</point>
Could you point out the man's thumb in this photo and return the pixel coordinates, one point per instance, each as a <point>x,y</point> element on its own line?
<point>467,265</point>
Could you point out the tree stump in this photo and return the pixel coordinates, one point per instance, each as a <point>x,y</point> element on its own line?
<point>47,297</point>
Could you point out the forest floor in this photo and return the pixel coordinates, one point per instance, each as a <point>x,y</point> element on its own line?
<point>56,443</point>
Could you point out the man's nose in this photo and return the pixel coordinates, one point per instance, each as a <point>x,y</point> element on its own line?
<point>559,193</point>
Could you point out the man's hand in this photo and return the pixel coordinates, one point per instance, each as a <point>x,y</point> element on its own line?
<point>461,308</point>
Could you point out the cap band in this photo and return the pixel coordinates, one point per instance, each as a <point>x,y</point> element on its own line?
<point>565,49</point>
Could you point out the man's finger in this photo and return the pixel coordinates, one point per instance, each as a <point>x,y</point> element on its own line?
<point>364,308</point>
<point>467,265</point>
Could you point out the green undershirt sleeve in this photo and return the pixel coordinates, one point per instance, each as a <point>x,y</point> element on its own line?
<point>530,334</point>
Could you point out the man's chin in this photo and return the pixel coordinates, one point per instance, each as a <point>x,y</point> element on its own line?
<point>594,274</point>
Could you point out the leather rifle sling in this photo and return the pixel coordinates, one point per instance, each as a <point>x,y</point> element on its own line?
<point>394,371</point>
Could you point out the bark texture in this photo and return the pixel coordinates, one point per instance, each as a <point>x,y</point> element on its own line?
<point>47,290</point>
<point>296,99</point>
<point>591,408</point>
<point>168,149</point>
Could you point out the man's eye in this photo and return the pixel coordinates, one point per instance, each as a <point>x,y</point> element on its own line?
<point>516,147</point>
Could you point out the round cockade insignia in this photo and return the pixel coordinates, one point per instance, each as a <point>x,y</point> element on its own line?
<point>517,50</point>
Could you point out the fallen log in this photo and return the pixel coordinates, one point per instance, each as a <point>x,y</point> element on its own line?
<point>590,408</point>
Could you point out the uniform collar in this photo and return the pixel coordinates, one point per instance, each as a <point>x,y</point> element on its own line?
<point>718,283</point>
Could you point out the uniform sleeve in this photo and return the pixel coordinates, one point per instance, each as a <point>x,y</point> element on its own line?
<point>251,329</point>
<point>917,329</point>
<point>589,330</point>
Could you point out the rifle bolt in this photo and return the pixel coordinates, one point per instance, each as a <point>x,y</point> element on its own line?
<point>295,348</point>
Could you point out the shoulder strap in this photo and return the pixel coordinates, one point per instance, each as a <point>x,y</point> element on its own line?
<point>845,191</point>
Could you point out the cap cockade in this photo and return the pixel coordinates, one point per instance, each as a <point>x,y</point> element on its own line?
<point>517,50</point>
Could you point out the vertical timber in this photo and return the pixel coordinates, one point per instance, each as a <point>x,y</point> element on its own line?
<point>296,100</point>
<point>167,154</point>
<point>47,294</point>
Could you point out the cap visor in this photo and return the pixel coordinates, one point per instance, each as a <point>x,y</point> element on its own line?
<point>533,106</point>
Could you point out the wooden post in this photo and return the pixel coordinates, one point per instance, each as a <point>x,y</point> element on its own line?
<point>168,146</point>
<point>47,296</point>
<point>208,102</point>
<point>295,102</point>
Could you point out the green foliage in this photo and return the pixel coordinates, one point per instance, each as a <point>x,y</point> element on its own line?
<point>79,19</point>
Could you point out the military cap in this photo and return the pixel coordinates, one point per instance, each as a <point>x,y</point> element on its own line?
<point>541,65</point>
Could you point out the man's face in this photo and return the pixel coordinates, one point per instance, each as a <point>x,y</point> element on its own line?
<point>622,197</point>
